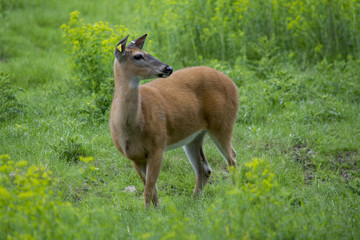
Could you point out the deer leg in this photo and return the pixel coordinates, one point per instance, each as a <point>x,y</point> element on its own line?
<point>152,175</point>
<point>195,154</point>
<point>141,170</point>
<point>222,140</point>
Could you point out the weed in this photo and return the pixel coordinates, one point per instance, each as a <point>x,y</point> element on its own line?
<point>70,148</point>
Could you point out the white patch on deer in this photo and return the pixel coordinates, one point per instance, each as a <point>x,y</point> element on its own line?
<point>183,142</point>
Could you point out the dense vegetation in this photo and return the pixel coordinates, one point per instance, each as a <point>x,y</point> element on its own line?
<point>297,135</point>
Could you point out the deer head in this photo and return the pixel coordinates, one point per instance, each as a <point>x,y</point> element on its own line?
<point>140,63</point>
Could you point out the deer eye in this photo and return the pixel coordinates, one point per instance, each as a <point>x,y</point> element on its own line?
<point>138,56</point>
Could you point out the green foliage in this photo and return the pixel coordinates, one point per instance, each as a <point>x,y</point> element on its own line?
<point>29,208</point>
<point>104,96</point>
<point>70,149</point>
<point>8,5</point>
<point>308,29</point>
<point>9,105</point>
<point>251,208</point>
<point>338,79</point>
<point>323,90</point>
<point>90,47</point>
<point>257,206</point>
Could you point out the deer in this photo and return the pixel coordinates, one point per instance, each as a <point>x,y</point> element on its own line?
<point>176,110</point>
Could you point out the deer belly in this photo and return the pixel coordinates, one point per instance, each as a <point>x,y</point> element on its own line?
<point>183,142</point>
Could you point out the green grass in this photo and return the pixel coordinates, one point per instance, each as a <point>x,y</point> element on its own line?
<point>297,134</point>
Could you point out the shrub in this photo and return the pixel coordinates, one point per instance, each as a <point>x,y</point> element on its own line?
<point>32,208</point>
<point>29,208</point>
<point>91,47</point>
<point>308,30</point>
<point>255,202</point>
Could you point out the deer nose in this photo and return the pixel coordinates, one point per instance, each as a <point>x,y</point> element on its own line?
<point>168,69</point>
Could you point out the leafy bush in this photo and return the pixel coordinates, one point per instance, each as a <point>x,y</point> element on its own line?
<point>32,208</point>
<point>29,208</point>
<point>91,47</point>
<point>255,201</point>
<point>308,30</point>
<point>9,105</point>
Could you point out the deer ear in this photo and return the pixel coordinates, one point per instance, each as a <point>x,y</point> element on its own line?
<point>120,48</point>
<point>139,43</point>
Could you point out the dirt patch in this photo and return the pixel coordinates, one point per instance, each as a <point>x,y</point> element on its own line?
<point>347,163</point>
<point>303,155</point>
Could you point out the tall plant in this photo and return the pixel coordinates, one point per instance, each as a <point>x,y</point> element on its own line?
<point>307,30</point>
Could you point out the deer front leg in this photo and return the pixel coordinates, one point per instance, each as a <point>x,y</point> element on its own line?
<point>152,175</point>
<point>141,170</point>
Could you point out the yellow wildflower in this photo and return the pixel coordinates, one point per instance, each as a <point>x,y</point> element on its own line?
<point>87,159</point>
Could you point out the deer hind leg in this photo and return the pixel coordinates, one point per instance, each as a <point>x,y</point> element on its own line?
<point>141,170</point>
<point>195,154</point>
<point>222,140</point>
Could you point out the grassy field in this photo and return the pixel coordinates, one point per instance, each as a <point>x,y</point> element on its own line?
<point>297,135</point>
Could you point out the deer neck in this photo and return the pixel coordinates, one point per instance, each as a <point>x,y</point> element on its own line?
<point>126,107</point>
